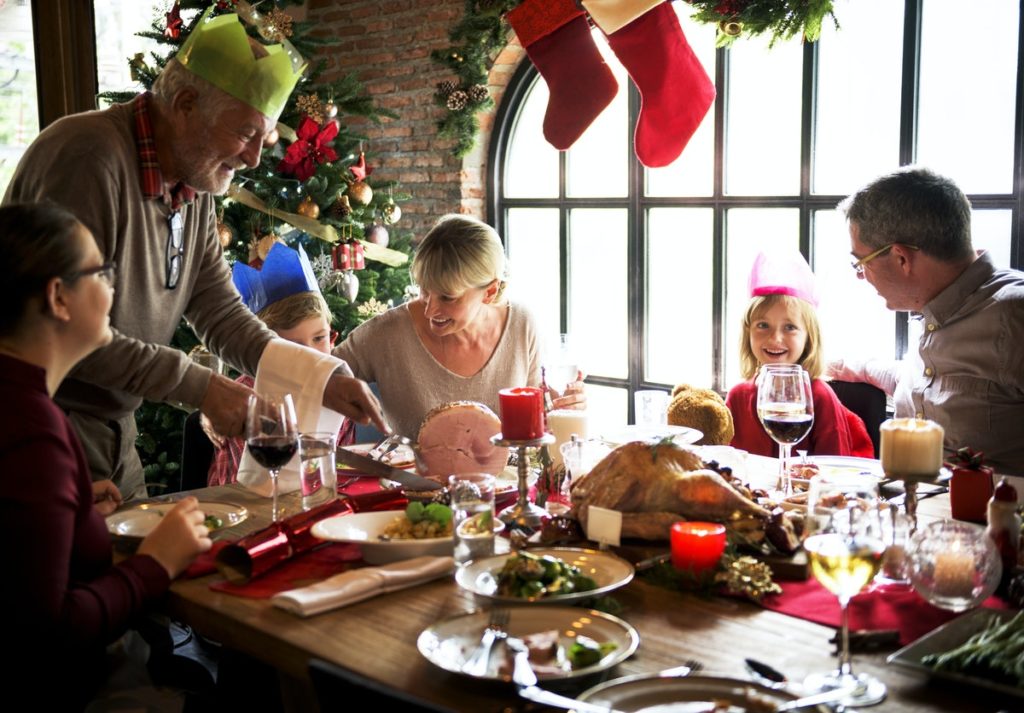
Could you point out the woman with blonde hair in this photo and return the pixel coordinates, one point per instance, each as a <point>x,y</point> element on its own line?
<point>780,326</point>
<point>460,340</point>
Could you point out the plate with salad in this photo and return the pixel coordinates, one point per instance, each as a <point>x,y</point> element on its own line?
<point>545,575</point>
<point>137,521</point>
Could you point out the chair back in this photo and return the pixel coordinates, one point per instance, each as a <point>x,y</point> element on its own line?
<point>865,400</point>
<point>196,454</point>
<point>337,688</point>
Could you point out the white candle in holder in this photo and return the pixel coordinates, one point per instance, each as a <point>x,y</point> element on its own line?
<point>954,574</point>
<point>911,447</point>
<point>562,424</point>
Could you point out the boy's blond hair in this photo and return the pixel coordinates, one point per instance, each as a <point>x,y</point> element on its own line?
<point>812,360</point>
<point>294,309</point>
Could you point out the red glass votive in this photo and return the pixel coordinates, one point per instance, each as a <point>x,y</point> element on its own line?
<point>522,413</point>
<point>697,546</point>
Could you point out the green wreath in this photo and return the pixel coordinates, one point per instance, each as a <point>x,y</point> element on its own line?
<point>483,32</point>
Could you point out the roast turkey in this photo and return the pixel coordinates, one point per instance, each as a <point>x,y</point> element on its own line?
<point>456,438</point>
<point>654,485</point>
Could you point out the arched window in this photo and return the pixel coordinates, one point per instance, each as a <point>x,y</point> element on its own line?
<point>647,269</point>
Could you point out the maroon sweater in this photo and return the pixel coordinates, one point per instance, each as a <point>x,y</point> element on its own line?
<point>63,598</point>
<point>837,431</point>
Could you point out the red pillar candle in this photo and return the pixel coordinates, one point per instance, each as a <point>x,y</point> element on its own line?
<point>522,413</point>
<point>697,546</point>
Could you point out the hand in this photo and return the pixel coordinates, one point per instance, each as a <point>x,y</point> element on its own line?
<point>178,538</point>
<point>224,404</point>
<point>215,438</point>
<point>574,397</point>
<point>106,497</point>
<point>833,369</point>
<point>352,397</point>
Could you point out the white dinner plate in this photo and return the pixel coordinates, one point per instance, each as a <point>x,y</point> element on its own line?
<point>680,435</point>
<point>949,636</point>
<point>646,692</point>
<point>848,464</point>
<point>449,643</point>
<point>139,521</point>
<point>365,528</point>
<point>609,572</point>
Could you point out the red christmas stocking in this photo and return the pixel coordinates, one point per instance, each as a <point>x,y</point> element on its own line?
<point>557,38</point>
<point>676,91</point>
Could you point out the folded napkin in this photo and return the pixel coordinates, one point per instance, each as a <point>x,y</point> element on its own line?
<point>359,584</point>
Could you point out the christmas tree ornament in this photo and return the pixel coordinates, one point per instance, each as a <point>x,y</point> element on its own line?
<point>224,234</point>
<point>172,30</point>
<point>675,90</point>
<point>259,248</point>
<point>445,88</point>
<point>284,272</point>
<point>360,193</point>
<point>311,106</point>
<point>330,110</point>
<point>308,150</point>
<point>226,4</point>
<point>349,285</point>
<point>218,50</point>
<point>137,67</point>
<point>341,256</point>
<point>378,235</point>
<point>478,93</point>
<point>732,28</point>
<point>390,213</point>
<point>358,258</point>
<point>341,208</point>
<point>557,39</point>
<point>359,169</point>
<point>272,138</point>
<point>275,26</point>
<point>457,100</point>
<point>308,208</point>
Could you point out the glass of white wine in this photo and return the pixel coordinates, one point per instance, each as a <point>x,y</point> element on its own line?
<point>785,407</point>
<point>845,545</point>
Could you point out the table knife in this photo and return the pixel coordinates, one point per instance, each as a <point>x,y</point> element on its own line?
<point>374,468</point>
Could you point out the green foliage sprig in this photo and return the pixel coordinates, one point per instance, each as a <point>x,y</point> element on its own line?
<point>782,18</point>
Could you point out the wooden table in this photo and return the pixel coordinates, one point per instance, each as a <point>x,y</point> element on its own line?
<point>377,637</point>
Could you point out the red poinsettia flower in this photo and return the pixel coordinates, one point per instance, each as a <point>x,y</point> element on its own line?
<point>309,149</point>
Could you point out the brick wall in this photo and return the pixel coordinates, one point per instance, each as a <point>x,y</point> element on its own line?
<point>387,43</point>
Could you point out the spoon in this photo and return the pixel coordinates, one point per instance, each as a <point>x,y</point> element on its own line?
<point>762,670</point>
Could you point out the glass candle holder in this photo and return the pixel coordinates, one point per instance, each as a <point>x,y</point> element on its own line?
<point>697,546</point>
<point>954,565</point>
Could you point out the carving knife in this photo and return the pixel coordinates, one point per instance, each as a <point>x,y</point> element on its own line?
<point>374,468</point>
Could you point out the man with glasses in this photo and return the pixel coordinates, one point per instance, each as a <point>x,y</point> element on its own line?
<point>141,176</point>
<point>910,234</point>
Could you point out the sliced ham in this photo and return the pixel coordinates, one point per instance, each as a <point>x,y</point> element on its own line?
<point>456,438</point>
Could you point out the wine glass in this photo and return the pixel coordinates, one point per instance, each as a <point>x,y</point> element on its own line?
<point>560,365</point>
<point>844,543</point>
<point>785,407</point>
<point>272,436</point>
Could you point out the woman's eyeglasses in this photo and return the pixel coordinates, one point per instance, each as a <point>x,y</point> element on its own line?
<point>106,272</point>
<point>175,234</point>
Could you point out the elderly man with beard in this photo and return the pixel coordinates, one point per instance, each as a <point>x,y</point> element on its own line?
<point>141,177</point>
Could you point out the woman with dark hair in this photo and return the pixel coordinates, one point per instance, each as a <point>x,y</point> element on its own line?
<point>64,598</point>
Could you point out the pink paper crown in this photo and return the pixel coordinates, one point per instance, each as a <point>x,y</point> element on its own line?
<point>285,272</point>
<point>784,273</point>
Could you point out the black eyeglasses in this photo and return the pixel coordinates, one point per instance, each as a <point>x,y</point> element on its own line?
<point>175,235</point>
<point>106,272</point>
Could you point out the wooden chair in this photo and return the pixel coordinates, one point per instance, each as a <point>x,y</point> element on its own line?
<point>338,688</point>
<point>196,454</point>
<point>865,400</point>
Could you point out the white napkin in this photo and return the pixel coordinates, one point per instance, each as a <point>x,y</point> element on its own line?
<point>286,367</point>
<point>359,584</point>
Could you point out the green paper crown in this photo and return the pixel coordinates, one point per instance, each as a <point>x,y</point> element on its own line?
<point>218,51</point>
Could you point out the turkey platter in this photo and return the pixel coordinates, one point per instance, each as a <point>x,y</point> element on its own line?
<point>656,485</point>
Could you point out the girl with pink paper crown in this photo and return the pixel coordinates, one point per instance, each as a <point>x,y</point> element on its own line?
<point>284,293</point>
<point>780,326</point>
<point>646,37</point>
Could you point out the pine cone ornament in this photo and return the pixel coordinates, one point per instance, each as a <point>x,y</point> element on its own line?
<point>478,93</point>
<point>457,100</point>
<point>341,208</point>
<point>445,88</point>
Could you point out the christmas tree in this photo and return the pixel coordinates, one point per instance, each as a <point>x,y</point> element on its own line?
<point>312,187</point>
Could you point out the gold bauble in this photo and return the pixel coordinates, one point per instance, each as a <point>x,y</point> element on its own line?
<point>360,192</point>
<point>271,138</point>
<point>261,246</point>
<point>224,234</point>
<point>308,208</point>
<point>330,110</point>
<point>391,213</point>
<point>730,27</point>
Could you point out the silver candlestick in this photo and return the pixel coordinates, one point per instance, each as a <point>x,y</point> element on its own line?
<point>524,517</point>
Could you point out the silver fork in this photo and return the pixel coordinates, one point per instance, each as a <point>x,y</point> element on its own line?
<point>476,665</point>
<point>389,444</point>
<point>689,666</point>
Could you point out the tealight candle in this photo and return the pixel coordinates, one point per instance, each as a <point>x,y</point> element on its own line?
<point>562,424</point>
<point>522,413</point>
<point>697,546</point>
<point>954,574</point>
<point>911,447</point>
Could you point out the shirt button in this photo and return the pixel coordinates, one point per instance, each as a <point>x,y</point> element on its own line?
<point>932,327</point>
<point>928,371</point>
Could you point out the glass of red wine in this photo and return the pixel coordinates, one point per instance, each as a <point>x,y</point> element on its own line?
<point>272,436</point>
<point>785,407</point>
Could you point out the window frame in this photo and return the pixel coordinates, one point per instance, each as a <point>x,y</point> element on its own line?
<point>806,202</point>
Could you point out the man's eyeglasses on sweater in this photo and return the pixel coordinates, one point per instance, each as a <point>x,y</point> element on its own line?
<point>175,235</point>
